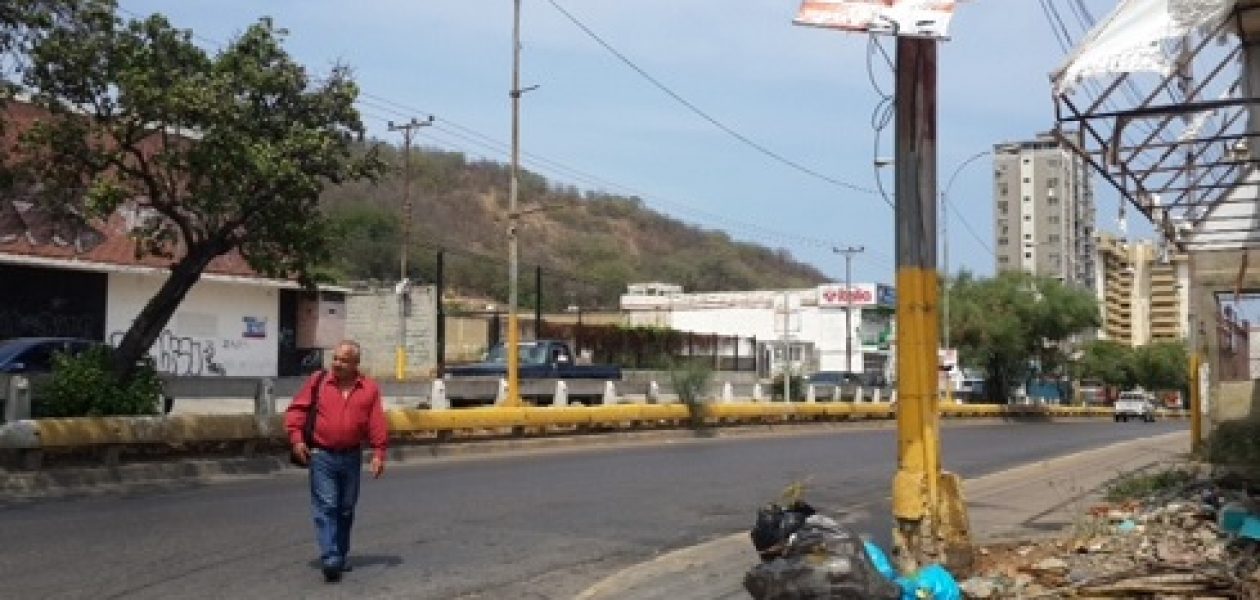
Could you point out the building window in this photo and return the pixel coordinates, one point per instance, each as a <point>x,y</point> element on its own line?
<point>1028,255</point>
<point>1052,182</point>
<point>1051,199</point>
<point>1003,241</point>
<point>1028,236</point>
<point>1027,198</point>
<point>1028,217</point>
<point>1001,205</point>
<point>1053,220</point>
<point>1003,260</point>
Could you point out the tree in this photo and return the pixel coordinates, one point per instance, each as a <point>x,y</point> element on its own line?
<point>218,154</point>
<point>1162,366</point>
<point>1005,323</point>
<point>1107,361</point>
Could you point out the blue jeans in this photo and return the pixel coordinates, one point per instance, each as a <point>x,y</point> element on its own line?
<point>334,492</point>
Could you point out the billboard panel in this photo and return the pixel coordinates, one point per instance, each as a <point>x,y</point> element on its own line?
<point>918,18</point>
<point>861,294</point>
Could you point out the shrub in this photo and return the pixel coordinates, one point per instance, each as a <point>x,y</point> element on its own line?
<point>691,379</point>
<point>84,385</point>
<point>1235,443</point>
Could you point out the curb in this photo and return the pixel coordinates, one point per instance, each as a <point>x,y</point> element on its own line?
<point>709,566</point>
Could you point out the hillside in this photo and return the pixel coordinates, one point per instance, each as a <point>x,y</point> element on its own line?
<point>588,244</point>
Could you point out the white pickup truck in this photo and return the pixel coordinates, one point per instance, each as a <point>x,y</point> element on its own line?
<point>1134,405</point>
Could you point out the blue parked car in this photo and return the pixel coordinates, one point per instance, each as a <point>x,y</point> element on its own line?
<point>34,356</point>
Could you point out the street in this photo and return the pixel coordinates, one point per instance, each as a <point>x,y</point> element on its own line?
<point>536,525</point>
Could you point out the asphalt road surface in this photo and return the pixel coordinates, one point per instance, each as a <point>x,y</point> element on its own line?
<point>535,525</point>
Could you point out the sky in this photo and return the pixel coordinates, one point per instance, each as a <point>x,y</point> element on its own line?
<point>790,166</point>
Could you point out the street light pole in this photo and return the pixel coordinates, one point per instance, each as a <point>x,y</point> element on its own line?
<point>513,337</point>
<point>945,237</point>
<point>944,215</point>
<point>848,253</point>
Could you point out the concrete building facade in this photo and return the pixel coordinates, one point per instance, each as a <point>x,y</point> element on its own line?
<point>800,328</point>
<point>1142,295</point>
<point>1044,211</point>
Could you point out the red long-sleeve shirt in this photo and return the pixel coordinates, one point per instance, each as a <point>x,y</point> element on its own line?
<point>341,423</point>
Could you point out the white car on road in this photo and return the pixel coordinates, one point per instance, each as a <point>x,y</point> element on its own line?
<point>1134,405</point>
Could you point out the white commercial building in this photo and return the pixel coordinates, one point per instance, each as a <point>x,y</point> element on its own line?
<point>810,323</point>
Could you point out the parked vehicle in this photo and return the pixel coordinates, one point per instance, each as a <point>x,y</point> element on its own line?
<point>541,359</point>
<point>33,356</point>
<point>836,378</point>
<point>1135,404</point>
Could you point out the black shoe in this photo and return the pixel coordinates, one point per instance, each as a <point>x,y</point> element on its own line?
<point>332,574</point>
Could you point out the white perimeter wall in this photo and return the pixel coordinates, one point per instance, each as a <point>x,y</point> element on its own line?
<point>220,328</point>
<point>822,326</point>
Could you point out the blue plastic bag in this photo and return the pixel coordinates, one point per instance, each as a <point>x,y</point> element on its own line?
<point>933,581</point>
<point>880,560</point>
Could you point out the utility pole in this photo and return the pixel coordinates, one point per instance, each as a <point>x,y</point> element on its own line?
<point>403,289</point>
<point>848,253</point>
<point>514,217</point>
<point>927,502</point>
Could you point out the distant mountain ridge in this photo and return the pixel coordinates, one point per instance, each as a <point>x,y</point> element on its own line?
<point>588,244</point>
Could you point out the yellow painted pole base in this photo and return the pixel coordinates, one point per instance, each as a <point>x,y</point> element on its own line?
<point>955,524</point>
<point>922,536</point>
<point>400,363</point>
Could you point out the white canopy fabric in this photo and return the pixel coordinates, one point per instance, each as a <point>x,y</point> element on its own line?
<point>1132,39</point>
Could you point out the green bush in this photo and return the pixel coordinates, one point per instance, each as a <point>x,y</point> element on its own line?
<point>85,386</point>
<point>690,380</point>
<point>1235,443</point>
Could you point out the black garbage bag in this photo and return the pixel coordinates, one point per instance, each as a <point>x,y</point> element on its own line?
<point>775,524</point>
<point>821,560</point>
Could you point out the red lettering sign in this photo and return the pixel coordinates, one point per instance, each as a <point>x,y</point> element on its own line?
<point>844,296</point>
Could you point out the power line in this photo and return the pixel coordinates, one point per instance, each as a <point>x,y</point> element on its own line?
<point>392,107</point>
<point>702,114</point>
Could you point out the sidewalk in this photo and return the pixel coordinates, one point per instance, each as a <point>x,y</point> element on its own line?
<point>1032,501</point>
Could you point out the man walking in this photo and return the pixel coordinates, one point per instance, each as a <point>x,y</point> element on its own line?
<point>347,411</point>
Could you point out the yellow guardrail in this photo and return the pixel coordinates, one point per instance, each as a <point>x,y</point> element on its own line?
<point>181,429</point>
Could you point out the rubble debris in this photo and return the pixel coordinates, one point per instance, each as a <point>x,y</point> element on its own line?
<point>1185,541</point>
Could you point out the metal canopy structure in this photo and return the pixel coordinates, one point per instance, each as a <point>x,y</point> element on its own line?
<point>1161,99</point>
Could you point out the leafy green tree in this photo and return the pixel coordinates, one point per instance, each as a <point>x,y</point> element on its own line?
<point>1007,323</point>
<point>1162,366</point>
<point>1107,361</point>
<point>216,153</point>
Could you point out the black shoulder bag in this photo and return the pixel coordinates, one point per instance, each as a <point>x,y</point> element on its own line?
<point>308,429</point>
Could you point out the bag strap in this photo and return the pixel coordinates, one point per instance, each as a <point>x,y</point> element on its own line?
<point>308,430</point>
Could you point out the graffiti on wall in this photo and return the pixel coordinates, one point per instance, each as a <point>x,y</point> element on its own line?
<point>181,355</point>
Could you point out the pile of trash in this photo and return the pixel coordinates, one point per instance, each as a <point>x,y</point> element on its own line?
<point>1197,539</point>
<point>1187,537</point>
<point>806,555</point>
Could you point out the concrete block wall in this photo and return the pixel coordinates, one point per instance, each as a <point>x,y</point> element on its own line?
<point>372,320</point>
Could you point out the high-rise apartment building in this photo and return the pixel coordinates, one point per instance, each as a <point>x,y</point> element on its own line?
<point>1044,213</point>
<point>1140,293</point>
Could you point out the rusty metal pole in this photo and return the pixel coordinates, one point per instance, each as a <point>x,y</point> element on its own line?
<point>927,503</point>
